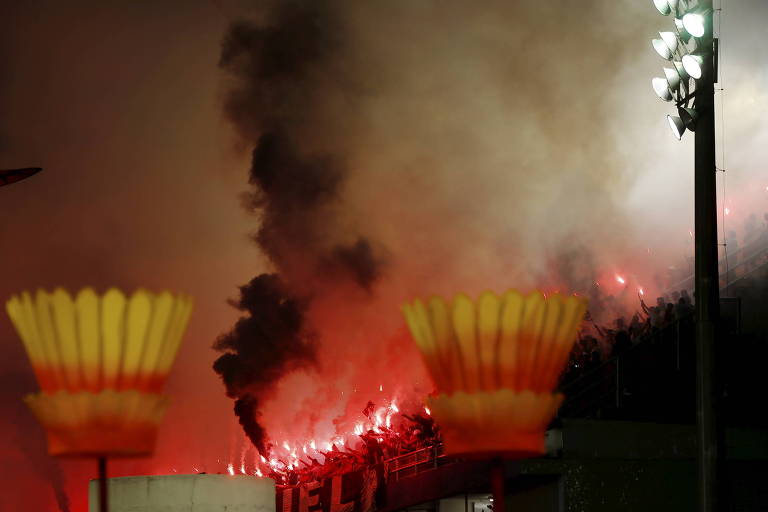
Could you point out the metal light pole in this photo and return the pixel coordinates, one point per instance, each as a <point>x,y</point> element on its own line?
<point>694,21</point>
<point>707,280</point>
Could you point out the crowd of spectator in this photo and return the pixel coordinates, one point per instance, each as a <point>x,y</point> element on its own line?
<point>600,343</point>
<point>410,433</point>
<point>597,344</point>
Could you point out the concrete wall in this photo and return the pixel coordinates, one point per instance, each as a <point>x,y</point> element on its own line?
<point>187,493</point>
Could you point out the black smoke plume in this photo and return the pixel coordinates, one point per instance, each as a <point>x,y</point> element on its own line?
<point>269,339</point>
<point>296,189</point>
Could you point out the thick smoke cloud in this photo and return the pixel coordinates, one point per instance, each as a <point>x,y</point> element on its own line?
<point>468,147</point>
<point>270,339</point>
<point>295,195</point>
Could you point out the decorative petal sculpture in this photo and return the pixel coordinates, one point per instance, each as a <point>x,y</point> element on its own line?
<point>495,363</point>
<point>101,362</point>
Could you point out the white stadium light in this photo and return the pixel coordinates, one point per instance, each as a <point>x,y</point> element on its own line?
<point>663,7</point>
<point>688,116</point>
<point>677,126</point>
<point>694,23</point>
<point>662,49</point>
<point>692,65</point>
<point>670,39</point>
<point>681,32</point>
<point>661,87</point>
<point>666,46</point>
<point>684,75</point>
<point>673,79</point>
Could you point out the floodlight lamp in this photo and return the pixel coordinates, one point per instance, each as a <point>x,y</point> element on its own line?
<point>677,126</point>
<point>673,79</point>
<point>682,34</point>
<point>670,39</point>
<point>662,49</point>
<point>663,7</point>
<point>688,116</point>
<point>684,76</point>
<point>694,23</point>
<point>692,64</point>
<point>661,87</point>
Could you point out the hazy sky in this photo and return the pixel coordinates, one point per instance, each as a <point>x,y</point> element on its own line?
<point>120,102</point>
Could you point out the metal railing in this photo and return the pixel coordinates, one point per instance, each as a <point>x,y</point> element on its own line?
<point>414,462</point>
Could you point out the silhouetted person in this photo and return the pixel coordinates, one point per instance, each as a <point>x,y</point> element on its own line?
<point>621,344</point>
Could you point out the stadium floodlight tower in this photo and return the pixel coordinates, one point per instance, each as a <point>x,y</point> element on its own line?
<point>691,84</point>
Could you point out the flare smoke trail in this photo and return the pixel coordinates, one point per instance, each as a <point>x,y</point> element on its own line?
<point>295,192</point>
<point>467,146</point>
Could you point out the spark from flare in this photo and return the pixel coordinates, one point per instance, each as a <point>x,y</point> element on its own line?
<point>426,410</point>
<point>231,469</point>
<point>620,279</point>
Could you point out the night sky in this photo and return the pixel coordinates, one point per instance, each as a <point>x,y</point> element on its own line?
<point>121,103</point>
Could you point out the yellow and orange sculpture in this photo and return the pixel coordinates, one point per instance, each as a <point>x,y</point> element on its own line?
<point>100,362</point>
<point>495,363</point>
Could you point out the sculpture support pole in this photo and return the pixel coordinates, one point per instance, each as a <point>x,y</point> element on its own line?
<point>497,483</point>
<point>103,490</point>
